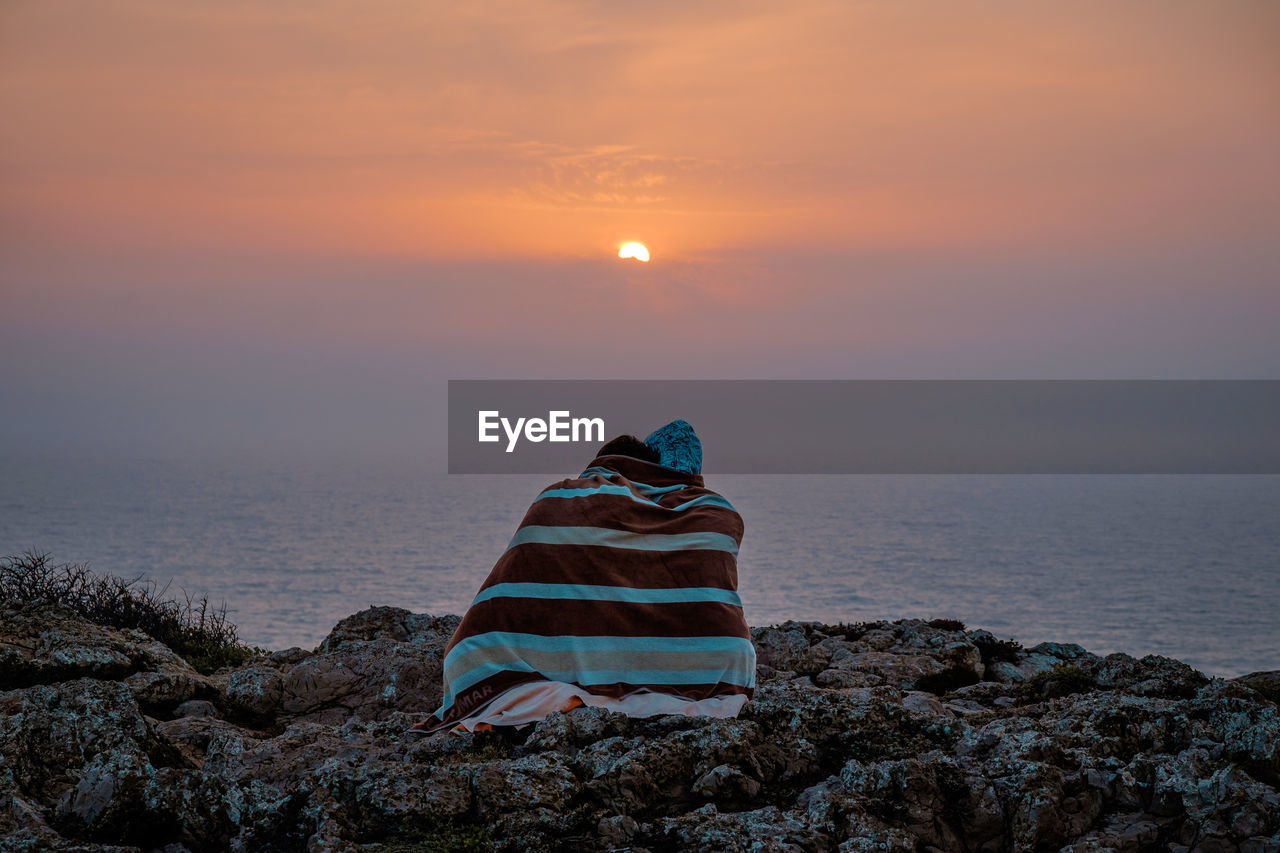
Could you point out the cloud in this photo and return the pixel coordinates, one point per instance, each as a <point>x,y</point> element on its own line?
<point>828,188</point>
<point>545,128</point>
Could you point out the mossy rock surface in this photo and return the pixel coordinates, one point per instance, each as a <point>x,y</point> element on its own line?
<point>309,750</point>
<point>1062,680</point>
<point>432,834</point>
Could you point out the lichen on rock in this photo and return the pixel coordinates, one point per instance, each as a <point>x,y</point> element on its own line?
<point>901,735</point>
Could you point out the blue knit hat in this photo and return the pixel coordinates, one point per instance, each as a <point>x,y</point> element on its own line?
<point>678,447</point>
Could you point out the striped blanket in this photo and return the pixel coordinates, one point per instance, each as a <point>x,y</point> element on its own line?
<point>621,580</point>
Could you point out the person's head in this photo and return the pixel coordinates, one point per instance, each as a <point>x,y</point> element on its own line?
<point>629,445</point>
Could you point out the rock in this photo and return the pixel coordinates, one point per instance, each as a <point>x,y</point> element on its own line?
<point>841,749</point>
<point>1060,651</point>
<point>985,693</point>
<point>392,624</point>
<point>106,799</point>
<point>162,691</point>
<point>190,735</point>
<point>1127,832</point>
<point>367,682</point>
<point>923,703</point>
<point>783,649</point>
<point>768,829</point>
<point>45,645</point>
<point>964,707</point>
<point>1006,672</point>
<point>52,734</point>
<point>1153,675</point>
<point>255,693</point>
<point>726,784</point>
<point>23,826</point>
<point>195,708</point>
<point>1269,678</point>
<point>288,657</point>
<point>378,661</point>
<point>899,670</point>
<point>616,830</point>
<point>544,781</point>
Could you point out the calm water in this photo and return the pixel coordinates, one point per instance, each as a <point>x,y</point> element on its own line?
<point>1184,566</point>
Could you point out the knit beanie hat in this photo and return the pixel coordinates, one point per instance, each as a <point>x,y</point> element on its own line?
<point>678,446</point>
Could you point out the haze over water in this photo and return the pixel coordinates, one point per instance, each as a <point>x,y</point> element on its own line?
<point>1184,566</point>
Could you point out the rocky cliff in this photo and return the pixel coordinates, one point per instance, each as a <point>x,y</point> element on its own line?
<point>889,736</point>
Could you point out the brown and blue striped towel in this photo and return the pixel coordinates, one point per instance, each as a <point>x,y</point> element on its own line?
<point>621,580</point>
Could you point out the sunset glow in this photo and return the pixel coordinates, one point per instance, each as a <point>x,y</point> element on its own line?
<point>921,188</point>
<point>634,250</point>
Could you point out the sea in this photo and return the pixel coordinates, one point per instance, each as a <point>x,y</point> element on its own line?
<point>1186,566</point>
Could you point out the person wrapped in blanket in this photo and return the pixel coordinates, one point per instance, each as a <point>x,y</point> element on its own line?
<point>618,591</point>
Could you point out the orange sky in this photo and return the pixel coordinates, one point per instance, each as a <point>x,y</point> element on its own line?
<point>852,188</point>
<point>560,128</point>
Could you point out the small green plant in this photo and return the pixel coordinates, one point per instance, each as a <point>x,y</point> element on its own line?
<point>946,624</point>
<point>1267,688</point>
<point>852,632</point>
<point>194,629</point>
<point>997,650</point>
<point>947,680</point>
<point>435,834</point>
<point>1062,680</point>
<point>478,754</point>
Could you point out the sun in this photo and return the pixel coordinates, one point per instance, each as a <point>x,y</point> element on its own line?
<point>636,251</point>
